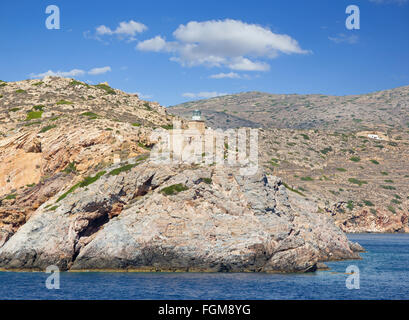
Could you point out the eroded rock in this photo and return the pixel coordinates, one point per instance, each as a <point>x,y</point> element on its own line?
<point>222,223</point>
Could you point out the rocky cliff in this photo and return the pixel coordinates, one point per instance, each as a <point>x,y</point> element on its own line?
<point>143,216</point>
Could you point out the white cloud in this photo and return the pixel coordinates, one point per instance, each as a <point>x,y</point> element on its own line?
<point>230,75</point>
<point>241,63</point>
<point>71,73</point>
<point>155,44</point>
<point>102,70</point>
<point>224,43</point>
<point>130,28</point>
<point>125,30</point>
<point>343,38</point>
<point>203,94</point>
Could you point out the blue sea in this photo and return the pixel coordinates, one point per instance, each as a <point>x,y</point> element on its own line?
<point>383,274</point>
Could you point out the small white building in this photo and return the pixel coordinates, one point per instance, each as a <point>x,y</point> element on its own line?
<point>374,136</point>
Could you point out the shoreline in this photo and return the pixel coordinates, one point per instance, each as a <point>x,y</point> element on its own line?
<point>319,266</point>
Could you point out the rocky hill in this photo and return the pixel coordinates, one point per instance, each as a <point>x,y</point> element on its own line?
<point>362,182</point>
<point>321,147</point>
<point>55,131</point>
<point>147,217</point>
<point>78,189</point>
<point>384,110</point>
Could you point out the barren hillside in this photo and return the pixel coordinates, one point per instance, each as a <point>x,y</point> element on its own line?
<point>384,109</point>
<point>321,147</point>
<point>56,132</point>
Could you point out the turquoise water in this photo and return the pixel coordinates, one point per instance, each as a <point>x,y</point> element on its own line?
<point>384,274</point>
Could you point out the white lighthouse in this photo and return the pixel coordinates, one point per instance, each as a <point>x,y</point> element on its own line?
<point>197,115</point>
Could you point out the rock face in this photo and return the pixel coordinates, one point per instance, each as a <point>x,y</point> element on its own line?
<point>149,217</point>
<point>56,131</point>
<point>378,222</point>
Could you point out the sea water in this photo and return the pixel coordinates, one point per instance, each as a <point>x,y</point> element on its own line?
<point>383,274</point>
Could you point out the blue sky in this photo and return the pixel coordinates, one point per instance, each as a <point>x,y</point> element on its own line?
<point>176,51</point>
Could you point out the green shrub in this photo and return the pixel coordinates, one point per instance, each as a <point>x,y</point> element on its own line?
<point>326,150</point>
<point>1,96</point>
<point>3,83</point>
<point>38,83</point>
<point>136,124</point>
<point>388,187</point>
<point>356,181</point>
<point>124,168</point>
<point>174,189</point>
<point>86,182</point>
<point>20,91</point>
<point>388,181</point>
<point>78,83</point>
<point>350,205</point>
<point>105,87</point>
<point>90,115</point>
<point>368,203</point>
<point>391,209</point>
<point>34,115</point>
<point>305,136</point>
<point>10,196</point>
<point>395,201</point>
<point>63,102</point>
<point>374,161</point>
<point>384,173</point>
<point>32,123</point>
<point>14,109</point>
<point>307,179</point>
<point>70,168</point>
<point>207,180</point>
<point>293,190</point>
<point>167,127</point>
<point>65,194</point>
<point>147,106</point>
<point>39,107</point>
<point>49,127</point>
<point>341,169</point>
<point>355,159</point>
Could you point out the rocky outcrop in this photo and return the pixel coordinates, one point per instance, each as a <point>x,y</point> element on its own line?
<point>149,217</point>
<point>15,212</point>
<point>379,221</point>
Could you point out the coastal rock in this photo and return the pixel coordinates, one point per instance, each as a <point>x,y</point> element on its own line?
<point>149,217</point>
<point>356,247</point>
